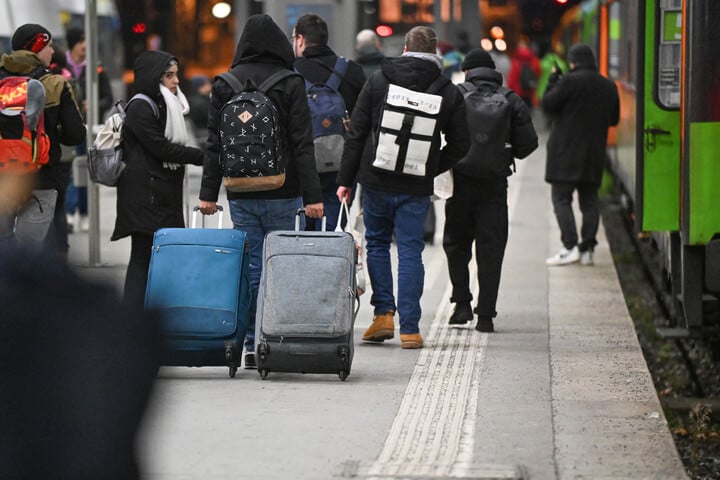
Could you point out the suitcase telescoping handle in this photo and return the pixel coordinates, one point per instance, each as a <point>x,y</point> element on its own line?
<point>196,209</point>
<point>297,219</point>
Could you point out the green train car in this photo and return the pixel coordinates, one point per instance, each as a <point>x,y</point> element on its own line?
<point>665,152</point>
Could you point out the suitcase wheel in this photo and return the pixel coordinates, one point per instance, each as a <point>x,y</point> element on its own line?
<point>344,356</point>
<point>343,374</point>
<point>263,373</point>
<point>232,372</point>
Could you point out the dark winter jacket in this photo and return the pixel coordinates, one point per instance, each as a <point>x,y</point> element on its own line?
<point>582,105</point>
<point>415,74</point>
<point>63,121</point>
<point>150,192</point>
<point>264,49</point>
<point>105,96</point>
<point>369,57</point>
<point>522,135</point>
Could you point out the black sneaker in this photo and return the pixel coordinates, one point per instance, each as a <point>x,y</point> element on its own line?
<point>485,325</point>
<point>463,313</point>
<point>250,361</point>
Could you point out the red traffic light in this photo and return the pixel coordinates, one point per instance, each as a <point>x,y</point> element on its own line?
<point>384,30</point>
<point>561,2</point>
<point>139,28</point>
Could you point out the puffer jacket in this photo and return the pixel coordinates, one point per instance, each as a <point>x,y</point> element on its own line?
<point>522,135</point>
<point>582,105</point>
<point>262,50</point>
<point>415,74</point>
<point>150,190</point>
<point>63,121</point>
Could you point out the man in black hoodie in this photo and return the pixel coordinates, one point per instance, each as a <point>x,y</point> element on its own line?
<point>394,201</point>
<point>583,105</point>
<point>316,62</point>
<point>263,50</point>
<point>477,211</point>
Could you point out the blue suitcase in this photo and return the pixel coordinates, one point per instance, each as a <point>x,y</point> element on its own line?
<point>199,284</point>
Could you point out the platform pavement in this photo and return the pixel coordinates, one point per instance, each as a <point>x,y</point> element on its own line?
<point>559,391</point>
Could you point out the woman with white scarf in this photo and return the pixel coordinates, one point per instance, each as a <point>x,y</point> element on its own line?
<point>150,190</point>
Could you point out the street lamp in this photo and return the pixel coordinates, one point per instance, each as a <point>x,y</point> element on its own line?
<point>221,10</point>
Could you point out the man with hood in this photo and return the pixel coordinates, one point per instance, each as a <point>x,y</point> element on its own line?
<point>395,203</point>
<point>523,74</point>
<point>31,57</point>
<point>263,49</point>
<point>477,211</point>
<point>316,62</point>
<point>582,106</point>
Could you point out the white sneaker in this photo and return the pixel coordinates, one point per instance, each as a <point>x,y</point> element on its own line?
<point>586,258</point>
<point>564,257</point>
<point>84,223</point>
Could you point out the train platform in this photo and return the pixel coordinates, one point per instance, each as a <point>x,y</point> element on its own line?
<point>559,391</point>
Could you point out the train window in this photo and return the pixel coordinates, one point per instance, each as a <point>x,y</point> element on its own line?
<point>622,43</point>
<point>669,51</point>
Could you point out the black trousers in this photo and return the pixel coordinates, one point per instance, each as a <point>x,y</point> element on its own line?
<point>137,271</point>
<point>477,212</point>
<point>562,198</point>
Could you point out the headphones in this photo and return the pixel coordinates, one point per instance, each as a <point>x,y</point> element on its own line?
<point>38,42</point>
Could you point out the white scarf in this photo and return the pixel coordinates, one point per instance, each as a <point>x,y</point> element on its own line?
<point>175,130</point>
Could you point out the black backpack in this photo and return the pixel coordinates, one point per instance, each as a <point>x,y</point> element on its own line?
<point>251,150</point>
<point>489,114</point>
<point>528,78</point>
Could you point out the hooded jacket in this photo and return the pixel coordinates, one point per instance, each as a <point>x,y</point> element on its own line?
<point>150,193</point>
<point>582,105</point>
<point>415,74</point>
<point>63,121</point>
<point>262,50</point>
<point>523,56</point>
<point>522,135</point>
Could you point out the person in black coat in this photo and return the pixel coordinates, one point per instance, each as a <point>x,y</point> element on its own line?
<point>263,50</point>
<point>395,202</point>
<point>477,210</point>
<point>315,62</point>
<point>582,106</point>
<point>150,189</point>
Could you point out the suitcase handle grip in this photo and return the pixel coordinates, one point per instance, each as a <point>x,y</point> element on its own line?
<point>196,209</point>
<point>297,219</point>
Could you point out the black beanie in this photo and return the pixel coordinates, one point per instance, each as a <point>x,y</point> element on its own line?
<point>582,56</point>
<point>73,36</point>
<point>477,57</point>
<point>31,36</point>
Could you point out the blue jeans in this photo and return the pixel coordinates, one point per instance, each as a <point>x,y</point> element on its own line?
<point>404,215</point>
<point>256,218</point>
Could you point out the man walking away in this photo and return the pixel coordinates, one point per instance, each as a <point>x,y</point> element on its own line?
<point>369,51</point>
<point>405,105</point>
<point>582,106</point>
<point>263,50</point>
<point>501,130</point>
<point>320,66</point>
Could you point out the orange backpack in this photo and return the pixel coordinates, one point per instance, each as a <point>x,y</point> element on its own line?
<point>24,145</point>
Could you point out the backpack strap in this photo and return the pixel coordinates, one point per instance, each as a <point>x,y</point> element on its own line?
<point>337,73</point>
<point>233,81</point>
<point>150,101</point>
<point>437,84</point>
<point>275,78</point>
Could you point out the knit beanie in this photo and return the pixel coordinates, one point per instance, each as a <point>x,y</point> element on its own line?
<point>73,36</point>
<point>477,57</point>
<point>582,56</point>
<point>31,36</point>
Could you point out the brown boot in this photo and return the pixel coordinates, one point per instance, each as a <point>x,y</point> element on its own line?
<point>381,329</point>
<point>411,340</point>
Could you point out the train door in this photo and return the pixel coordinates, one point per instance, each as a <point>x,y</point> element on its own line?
<point>700,168</point>
<point>658,132</point>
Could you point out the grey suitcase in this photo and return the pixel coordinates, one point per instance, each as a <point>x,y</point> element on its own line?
<point>307,302</point>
